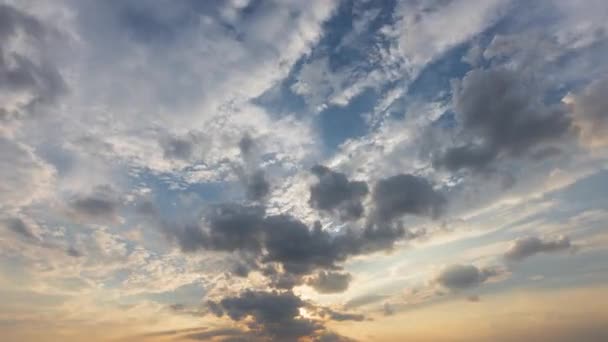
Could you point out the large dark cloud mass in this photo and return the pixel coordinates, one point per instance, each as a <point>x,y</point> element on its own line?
<point>285,250</point>
<point>277,316</point>
<point>335,193</point>
<point>529,246</point>
<point>502,114</point>
<point>406,194</point>
<point>274,315</point>
<point>31,81</point>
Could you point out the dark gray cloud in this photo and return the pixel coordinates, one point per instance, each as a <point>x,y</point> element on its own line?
<point>459,277</point>
<point>180,148</point>
<point>529,246</point>
<point>227,227</point>
<point>247,145</point>
<point>19,75</point>
<point>215,308</point>
<point>254,179</point>
<point>73,252</point>
<point>102,204</point>
<point>265,241</point>
<point>16,225</point>
<point>298,249</point>
<point>274,315</point>
<point>502,114</point>
<point>406,194</point>
<point>330,282</point>
<point>256,185</point>
<point>281,280</point>
<point>335,193</point>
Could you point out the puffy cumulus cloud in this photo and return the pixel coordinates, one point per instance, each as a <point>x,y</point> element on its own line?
<point>526,247</point>
<point>590,109</point>
<point>335,193</point>
<point>404,194</point>
<point>26,177</point>
<point>502,115</point>
<point>330,282</point>
<point>27,77</point>
<point>460,277</point>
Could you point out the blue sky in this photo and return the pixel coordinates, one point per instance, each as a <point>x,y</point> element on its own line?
<point>303,171</point>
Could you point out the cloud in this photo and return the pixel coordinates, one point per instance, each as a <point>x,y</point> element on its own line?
<point>406,194</point>
<point>227,227</point>
<point>256,185</point>
<point>277,315</point>
<point>460,277</point>
<point>364,300</point>
<point>526,247</point>
<point>177,148</point>
<point>26,177</point>
<point>17,225</point>
<point>25,81</point>
<point>254,178</point>
<point>335,193</point>
<point>274,315</point>
<point>502,115</point>
<point>342,316</point>
<point>590,109</point>
<point>172,332</point>
<point>299,249</point>
<point>388,309</point>
<point>100,205</point>
<point>208,335</point>
<point>330,282</point>
<point>279,240</point>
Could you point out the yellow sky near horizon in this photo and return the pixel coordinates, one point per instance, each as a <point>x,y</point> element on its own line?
<point>540,315</point>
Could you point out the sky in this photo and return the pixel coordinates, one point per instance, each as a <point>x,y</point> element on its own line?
<point>330,171</point>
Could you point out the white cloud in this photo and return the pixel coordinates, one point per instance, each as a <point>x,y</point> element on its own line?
<point>26,177</point>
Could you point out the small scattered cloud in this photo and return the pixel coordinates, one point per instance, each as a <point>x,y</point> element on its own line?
<point>460,277</point>
<point>526,247</point>
<point>330,282</point>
